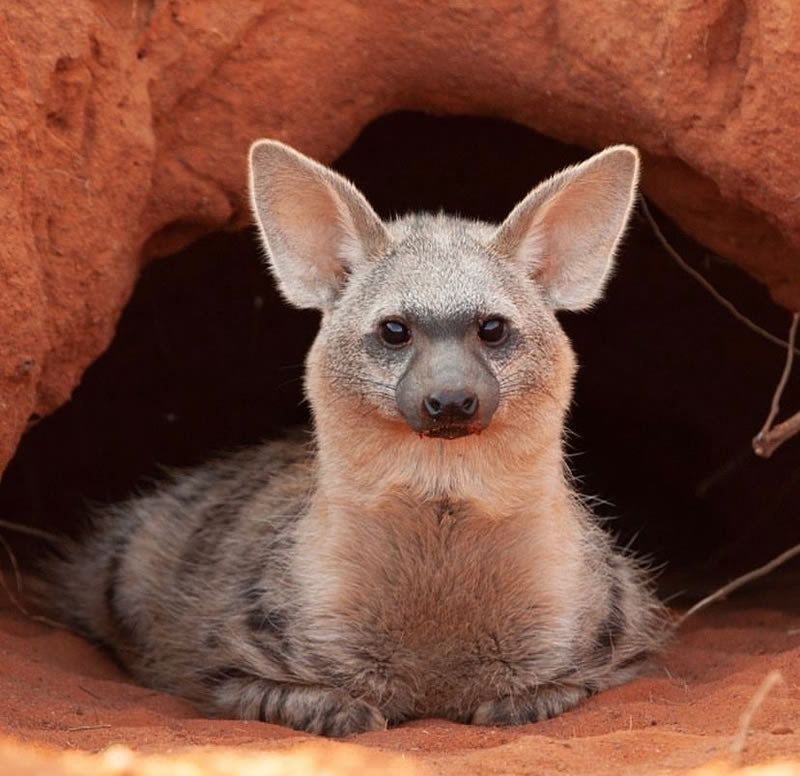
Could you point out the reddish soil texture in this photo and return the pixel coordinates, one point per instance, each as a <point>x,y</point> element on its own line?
<point>59,690</point>
<point>124,128</point>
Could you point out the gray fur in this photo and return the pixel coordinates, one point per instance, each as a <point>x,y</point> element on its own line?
<point>372,574</point>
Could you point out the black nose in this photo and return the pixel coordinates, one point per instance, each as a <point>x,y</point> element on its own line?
<point>457,405</point>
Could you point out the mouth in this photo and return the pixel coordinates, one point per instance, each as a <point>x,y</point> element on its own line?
<point>451,432</point>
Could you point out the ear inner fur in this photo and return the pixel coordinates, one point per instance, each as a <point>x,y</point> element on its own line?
<point>315,225</point>
<point>566,231</point>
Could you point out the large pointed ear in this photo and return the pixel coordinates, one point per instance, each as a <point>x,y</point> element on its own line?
<point>565,232</point>
<point>315,225</point>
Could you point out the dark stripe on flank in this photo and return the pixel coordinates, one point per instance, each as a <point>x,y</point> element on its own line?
<point>218,676</point>
<point>262,620</point>
<point>115,614</point>
<point>613,626</point>
<point>634,659</point>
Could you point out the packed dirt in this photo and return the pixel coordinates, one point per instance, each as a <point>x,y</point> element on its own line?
<point>59,690</point>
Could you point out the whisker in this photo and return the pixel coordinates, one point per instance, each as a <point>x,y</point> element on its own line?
<point>347,377</point>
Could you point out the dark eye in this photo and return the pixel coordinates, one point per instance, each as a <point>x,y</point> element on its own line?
<point>493,331</point>
<point>394,333</point>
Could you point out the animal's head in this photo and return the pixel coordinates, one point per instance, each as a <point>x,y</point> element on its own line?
<point>433,325</point>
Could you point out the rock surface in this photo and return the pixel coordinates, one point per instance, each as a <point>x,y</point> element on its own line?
<point>124,128</point>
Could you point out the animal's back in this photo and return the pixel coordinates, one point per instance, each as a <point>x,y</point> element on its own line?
<point>163,579</point>
<point>428,556</point>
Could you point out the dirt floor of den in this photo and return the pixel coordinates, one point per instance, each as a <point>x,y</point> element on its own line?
<point>56,689</point>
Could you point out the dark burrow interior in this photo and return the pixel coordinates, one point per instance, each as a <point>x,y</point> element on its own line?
<point>670,392</point>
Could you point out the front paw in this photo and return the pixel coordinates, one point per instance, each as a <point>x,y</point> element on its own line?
<point>535,705</point>
<point>352,716</point>
<point>326,712</point>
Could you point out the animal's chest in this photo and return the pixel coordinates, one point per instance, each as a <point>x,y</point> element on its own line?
<point>433,612</point>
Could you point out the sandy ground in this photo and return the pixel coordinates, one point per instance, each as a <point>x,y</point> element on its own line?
<point>56,689</point>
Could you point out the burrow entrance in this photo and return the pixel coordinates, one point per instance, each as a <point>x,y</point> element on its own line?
<point>671,389</point>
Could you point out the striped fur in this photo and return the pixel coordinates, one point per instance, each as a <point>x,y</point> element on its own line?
<point>367,574</point>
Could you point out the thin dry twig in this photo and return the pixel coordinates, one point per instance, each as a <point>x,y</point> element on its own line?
<point>89,692</point>
<point>746,720</point>
<point>29,530</point>
<point>17,578</point>
<point>13,598</point>
<point>87,727</point>
<point>770,437</point>
<point>779,434</point>
<point>735,584</point>
<point>700,278</point>
<point>16,598</point>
